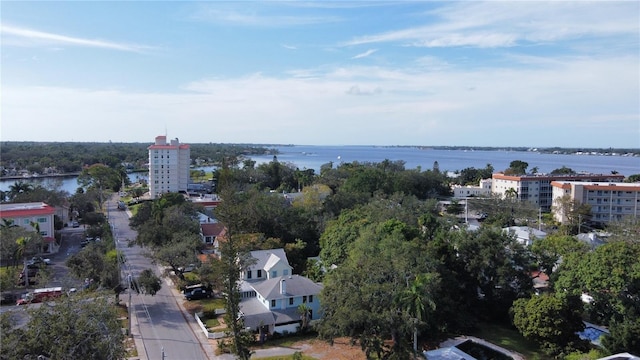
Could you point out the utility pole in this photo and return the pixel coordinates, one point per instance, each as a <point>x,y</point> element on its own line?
<point>129,307</point>
<point>540,218</point>
<point>466,210</point>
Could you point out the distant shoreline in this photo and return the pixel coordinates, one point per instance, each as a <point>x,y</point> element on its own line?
<point>32,177</point>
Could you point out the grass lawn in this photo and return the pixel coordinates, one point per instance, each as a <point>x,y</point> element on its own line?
<point>509,339</point>
<point>211,323</point>
<point>191,277</point>
<point>212,304</point>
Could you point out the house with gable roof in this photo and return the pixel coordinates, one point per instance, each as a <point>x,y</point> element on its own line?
<point>268,264</point>
<point>271,294</point>
<point>525,235</point>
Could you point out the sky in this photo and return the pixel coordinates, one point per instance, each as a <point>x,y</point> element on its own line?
<point>457,73</point>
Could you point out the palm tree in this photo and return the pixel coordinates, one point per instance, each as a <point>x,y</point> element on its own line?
<point>304,311</point>
<point>19,187</point>
<point>511,193</point>
<point>415,300</point>
<point>8,223</point>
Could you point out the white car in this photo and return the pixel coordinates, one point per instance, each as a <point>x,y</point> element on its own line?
<point>37,260</point>
<point>188,268</point>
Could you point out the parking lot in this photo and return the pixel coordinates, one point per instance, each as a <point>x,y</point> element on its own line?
<point>57,274</point>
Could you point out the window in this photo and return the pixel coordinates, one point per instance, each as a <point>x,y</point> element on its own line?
<point>304,299</point>
<point>273,303</point>
<point>274,273</point>
<point>249,274</point>
<point>259,274</point>
<point>285,272</point>
<point>42,220</point>
<point>290,301</point>
<point>310,298</point>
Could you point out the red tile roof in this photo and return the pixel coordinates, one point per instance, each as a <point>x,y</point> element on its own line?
<point>25,210</point>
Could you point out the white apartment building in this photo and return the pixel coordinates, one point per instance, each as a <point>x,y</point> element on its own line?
<point>168,166</point>
<point>608,201</point>
<point>483,189</point>
<point>536,188</point>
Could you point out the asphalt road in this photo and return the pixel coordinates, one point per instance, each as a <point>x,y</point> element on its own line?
<point>160,328</point>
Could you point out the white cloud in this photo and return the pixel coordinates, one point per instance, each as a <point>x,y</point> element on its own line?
<point>290,47</point>
<point>365,54</point>
<point>257,15</point>
<point>549,105</point>
<point>506,23</point>
<point>30,37</point>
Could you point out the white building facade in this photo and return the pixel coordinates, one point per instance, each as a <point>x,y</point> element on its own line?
<point>537,189</point>
<point>483,189</point>
<point>168,166</point>
<point>608,201</point>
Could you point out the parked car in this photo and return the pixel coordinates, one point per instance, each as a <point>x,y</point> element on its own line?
<point>198,294</point>
<point>75,224</point>
<point>190,288</point>
<point>188,268</point>
<point>8,299</point>
<point>37,260</point>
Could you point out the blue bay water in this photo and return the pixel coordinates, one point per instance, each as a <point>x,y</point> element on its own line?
<point>313,157</point>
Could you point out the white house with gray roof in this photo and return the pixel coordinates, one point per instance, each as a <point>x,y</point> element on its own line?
<point>271,294</point>
<point>268,264</point>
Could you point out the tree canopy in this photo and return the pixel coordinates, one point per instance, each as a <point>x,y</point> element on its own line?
<point>71,328</point>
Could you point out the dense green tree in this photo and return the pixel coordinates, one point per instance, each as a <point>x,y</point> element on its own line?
<point>550,250</point>
<point>101,178</point>
<point>363,297</point>
<point>210,273</point>
<point>12,249</point>
<point>573,212</point>
<point>551,321</point>
<point>336,240</point>
<point>563,171</point>
<point>517,167</point>
<point>626,229</point>
<point>148,283</point>
<point>455,208</point>
<point>632,178</point>
<point>179,252</point>
<point>610,275</point>
<point>73,328</point>
<point>234,259</point>
<point>83,202</point>
<point>38,193</point>
<point>314,270</point>
<point>472,176</point>
<point>97,262</point>
<point>624,335</point>
<point>495,264</point>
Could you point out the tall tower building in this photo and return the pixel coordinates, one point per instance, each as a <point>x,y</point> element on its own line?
<point>168,166</point>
